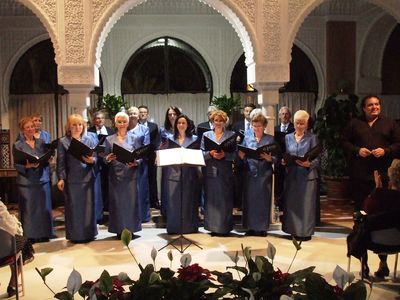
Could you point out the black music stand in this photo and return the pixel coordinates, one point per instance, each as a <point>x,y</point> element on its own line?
<point>185,160</point>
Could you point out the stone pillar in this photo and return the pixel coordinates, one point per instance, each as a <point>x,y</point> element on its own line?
<point>79,81</point>
<point>78,99</point>
<point>268,99</point>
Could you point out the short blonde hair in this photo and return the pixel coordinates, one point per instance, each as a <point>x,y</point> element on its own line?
<point>74,118</point>
<point>219,113</point>
<point>301,115</point>
<point>23,121</point>
<point>258,117</point>
<point>394,173</point>
<point>132,109</point>
<point>121,114</point>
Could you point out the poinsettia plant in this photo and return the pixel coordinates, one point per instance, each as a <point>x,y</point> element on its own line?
<point>257,278</point>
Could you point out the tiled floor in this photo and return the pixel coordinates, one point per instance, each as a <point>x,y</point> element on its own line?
<point>326,250</point>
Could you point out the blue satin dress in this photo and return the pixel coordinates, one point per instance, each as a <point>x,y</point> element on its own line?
<point>142,132</point>
<point>98,196</point>
<point>124,205</point>
<point>218,187</point>
<point>183,188</point>
<point>165,135</point>
<point>300,189</point>
<point>79,196</point>
<point>34,194</point>
<point>257,189</point>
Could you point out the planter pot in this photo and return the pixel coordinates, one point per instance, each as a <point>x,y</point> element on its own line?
<point>337,188</point>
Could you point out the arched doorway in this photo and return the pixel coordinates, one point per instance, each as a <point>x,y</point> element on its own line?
<point>302,89</point>
<point>167,71</point>
<point>34,89</point>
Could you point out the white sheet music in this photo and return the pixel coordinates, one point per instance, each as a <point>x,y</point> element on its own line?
<point>180,156</point>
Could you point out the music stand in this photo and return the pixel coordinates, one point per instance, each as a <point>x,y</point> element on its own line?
<point>180,157</point>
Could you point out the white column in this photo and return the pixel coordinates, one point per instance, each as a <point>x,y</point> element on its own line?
<point>268,99</point>
<point>78,99</point>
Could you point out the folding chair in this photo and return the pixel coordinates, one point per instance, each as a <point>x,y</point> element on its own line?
<point>10,257</point>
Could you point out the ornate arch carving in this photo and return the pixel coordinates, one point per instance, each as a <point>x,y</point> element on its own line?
<point>111,12</point>
<point>300,9</point>
<point>46,11</point>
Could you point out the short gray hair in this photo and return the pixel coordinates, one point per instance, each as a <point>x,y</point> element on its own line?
<point>121,114</point>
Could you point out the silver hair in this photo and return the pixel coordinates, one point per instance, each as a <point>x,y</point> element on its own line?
<point>301,115</point>
<point>121,114</point>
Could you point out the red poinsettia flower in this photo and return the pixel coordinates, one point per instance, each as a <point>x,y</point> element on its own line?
<point>279,277</point>
<point>337,290</point>
<point>193,273</point>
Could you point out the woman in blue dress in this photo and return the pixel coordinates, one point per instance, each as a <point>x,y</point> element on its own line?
<point>218,178</point>
<point>142,132</point>
<point>39,132</point>
<point>301,181</point>
<point>183,183</point>
<point>257,180</point>
<point>76,179</point>
<point>124,206</point>
<point>33,182</point>
<point>167,132</point>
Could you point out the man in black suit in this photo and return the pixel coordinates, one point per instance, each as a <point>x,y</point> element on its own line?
<point>242,127</point>
<point>155,141</point>
<point>283,128</point>
<point>206,126</point>
<point>101,200</point>
<point>98,125</point>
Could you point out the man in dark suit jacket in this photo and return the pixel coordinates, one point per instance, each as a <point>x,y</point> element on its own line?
<point>98,125</point>
<point>155,141</point>
<point>205,126</point>
<point>245,124</point>
<point>99,128</point>
<point>242,126</point>
<point>281,130</point>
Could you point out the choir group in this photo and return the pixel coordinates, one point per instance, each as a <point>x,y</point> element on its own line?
<point>127,188</point>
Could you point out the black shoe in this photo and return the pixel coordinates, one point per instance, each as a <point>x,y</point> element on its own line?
<point>382,272</point>
<point>302,238</point>
<point>11,291</point>
<point>261,233</point>
<point>250,233</point>
<point>155,205</point>
<point>219,234</point>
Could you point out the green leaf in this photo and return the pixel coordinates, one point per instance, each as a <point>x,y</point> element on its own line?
<point>126,237</point>
<point>105,282</point>
<point>256,276</point>
<point>166,273</point>
<point>240,269</point>
<point>63,296</point>
<point>224,278</point>
<point>296,244</point>
<point>247,253</point>
<point>154,277</point>
<point>44,272</point>
<point>170,257</point>
<point>318,288</point>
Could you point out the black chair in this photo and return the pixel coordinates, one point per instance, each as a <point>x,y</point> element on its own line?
<point>378,233</point>
<point>10,257</point>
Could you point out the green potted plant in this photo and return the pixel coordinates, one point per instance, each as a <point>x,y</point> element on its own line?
<point>112,104</point>
<point>330,122</point>
<point>226,104</point>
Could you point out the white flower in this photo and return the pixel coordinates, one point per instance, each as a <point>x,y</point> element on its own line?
<point>74,282</point>
<point>185,260</point>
